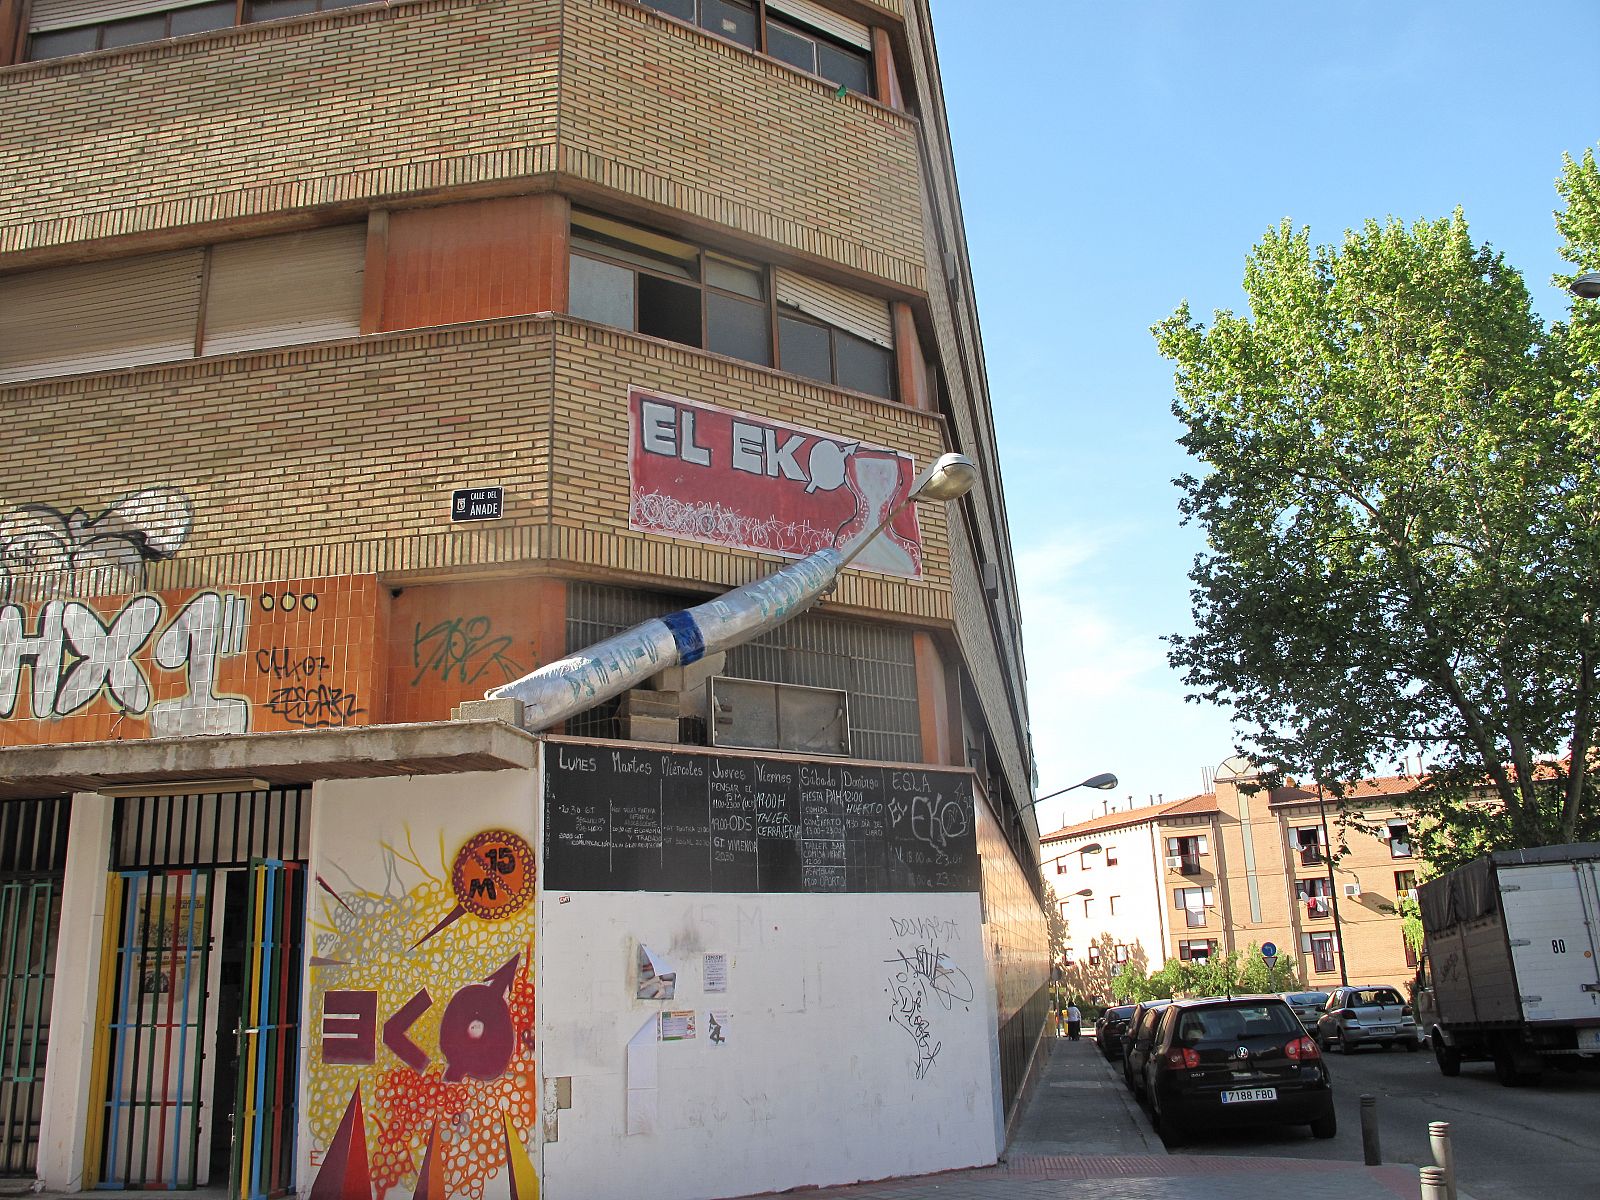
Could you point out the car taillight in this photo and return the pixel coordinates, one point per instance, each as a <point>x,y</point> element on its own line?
<point>1183,1058</point>
<point>1405,1010</point>
<point>1302,1050</point>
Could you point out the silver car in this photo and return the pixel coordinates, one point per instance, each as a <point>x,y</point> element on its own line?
<point>1374,1015</point>
<point>1307,1006</point>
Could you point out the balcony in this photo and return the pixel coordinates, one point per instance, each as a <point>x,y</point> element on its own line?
<point>1195,918</point>
<point>1188,864</point>
<point>1311,856</point>
<point>1318,907</point>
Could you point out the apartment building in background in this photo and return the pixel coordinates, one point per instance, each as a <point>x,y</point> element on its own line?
<point>1243,866</point>
<point>357,358</point>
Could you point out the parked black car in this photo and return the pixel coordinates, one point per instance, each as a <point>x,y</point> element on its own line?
<point>1137,1041</point>
<point>1241,1061</point>
<point>1109,1029</point>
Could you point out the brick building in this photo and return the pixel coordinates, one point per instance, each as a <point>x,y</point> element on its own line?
<point>359,358</point>
<point>1242,866</point>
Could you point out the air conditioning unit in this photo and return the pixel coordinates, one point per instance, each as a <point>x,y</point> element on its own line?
<point>1352,890</point>
<point>1174,862</point>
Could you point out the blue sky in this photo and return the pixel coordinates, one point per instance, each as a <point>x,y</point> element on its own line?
<point>1119,156</point>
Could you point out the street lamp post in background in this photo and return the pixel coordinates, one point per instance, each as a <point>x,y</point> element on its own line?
<point>1586,286</point>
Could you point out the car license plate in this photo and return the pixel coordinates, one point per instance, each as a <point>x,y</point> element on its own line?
<point>1248,1095</point>
<point>1589,1039</point>
<point>1381,1029</point>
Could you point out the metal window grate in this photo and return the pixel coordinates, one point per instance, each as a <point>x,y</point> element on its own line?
<point>33,857</point>
<point>874,664</point>
<point>215,829</point>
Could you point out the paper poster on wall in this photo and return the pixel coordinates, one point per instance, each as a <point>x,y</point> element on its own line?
<point>677,1026</point>
<point>717,1027</point>
<point>658,978</point>
<point>716,972</point>
<point>714,475</point>
<point>643,1075</point>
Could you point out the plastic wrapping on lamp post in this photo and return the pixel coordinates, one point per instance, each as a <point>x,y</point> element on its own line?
<point>608,668</point>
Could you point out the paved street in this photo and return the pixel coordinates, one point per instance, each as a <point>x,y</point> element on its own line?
<point>1538,1143</point>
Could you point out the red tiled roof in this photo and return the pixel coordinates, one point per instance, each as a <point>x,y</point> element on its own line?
<point>1134,816</point>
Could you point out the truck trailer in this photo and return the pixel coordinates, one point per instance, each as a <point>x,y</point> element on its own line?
<point>1511,965</point>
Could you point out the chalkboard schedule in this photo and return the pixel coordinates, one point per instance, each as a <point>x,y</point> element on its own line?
<point>625,818</point>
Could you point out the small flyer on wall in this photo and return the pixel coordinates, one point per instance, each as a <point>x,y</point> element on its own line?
<point>677,1026</point>
<point>716,968</point>
<point>717,1027</point>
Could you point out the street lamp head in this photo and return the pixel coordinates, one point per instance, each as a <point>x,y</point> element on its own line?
<point>951,477</point>
<point>1101,783</point>
<point>1586,286</point>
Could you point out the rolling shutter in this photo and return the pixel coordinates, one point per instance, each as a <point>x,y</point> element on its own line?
<point>852,33</point>
<point>865,316</point>
<point>279,291</point>
<point>67,14</point>
<point>99,316</point>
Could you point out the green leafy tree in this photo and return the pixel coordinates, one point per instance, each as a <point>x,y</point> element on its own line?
<point>1100,979</point>
<point>1399,488</point>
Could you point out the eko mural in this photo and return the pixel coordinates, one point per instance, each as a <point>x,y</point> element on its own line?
<point>713,475</point>
<point>422,1016</point>
<point>292,654</point>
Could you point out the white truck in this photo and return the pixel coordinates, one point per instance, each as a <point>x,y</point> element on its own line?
<point>1511,966</point>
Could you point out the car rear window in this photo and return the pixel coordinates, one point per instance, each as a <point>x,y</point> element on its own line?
<point>1120,1013</point>
<point>1230,1023</point>
<point>1308,998</point>
<point>1367,996</point>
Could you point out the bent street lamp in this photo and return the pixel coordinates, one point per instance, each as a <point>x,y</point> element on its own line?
<point>1103,782</point>
<point>608,668</point>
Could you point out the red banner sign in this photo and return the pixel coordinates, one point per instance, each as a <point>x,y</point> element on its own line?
<point>713,475</point>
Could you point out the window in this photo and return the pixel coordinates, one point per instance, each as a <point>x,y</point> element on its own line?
<point>1070,955</point>
<point>817,351</point>
<point>811,50</point>
<point>1184,853</point>
<point>1309,843</point>
<point>732,19</point>
<point>1399,839</point>
<point>1411,953</point>
<point>273,291</point>
<point>1192,897</point>
<point>1061,866</point>
<point>1088,908</point>
<point>1405,885</point>
<point>59,27</point>
<point>798,32</point>
<point>636,279</point>
<point>1094,956</point>
<point>1320,949</point>
<point>1085,859</point>
<point>1112,904</point>
<point>1316,895</point>
<point>1111,856</point>
<point>1120,953</point>
<point>1192,950</point>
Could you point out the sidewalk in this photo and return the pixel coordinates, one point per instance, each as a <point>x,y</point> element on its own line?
<point>1082,1137</point>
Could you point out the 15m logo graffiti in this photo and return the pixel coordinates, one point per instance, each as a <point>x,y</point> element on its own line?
<point>74,655</point>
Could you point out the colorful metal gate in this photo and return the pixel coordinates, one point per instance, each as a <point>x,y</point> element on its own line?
<point>154,1091</point>
<point>266,1107</point>
<point>33,855</point>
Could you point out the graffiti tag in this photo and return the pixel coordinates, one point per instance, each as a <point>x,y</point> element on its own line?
<point>314,707</point>
<point>463,649</point>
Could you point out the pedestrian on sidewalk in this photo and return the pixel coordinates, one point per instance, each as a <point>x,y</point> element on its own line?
<point>1074,1021</point>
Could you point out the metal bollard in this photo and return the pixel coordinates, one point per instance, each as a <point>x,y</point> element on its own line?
<point>1371,1151</point>
<point>1433,1184</point>
<point>1444,1155</point>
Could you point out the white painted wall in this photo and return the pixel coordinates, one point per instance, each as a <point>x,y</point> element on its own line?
<point>817,1083</point>
<point>1135,880</point>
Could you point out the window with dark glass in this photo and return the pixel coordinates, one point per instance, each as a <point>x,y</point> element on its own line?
<point>653,284</point>
<point>732,19</point>
<point>786,36</point>
<point>160,23</point>
<point>1399,839</point>
<point>817,351</point>
<point>814,51</point>
<point>637,279</point>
